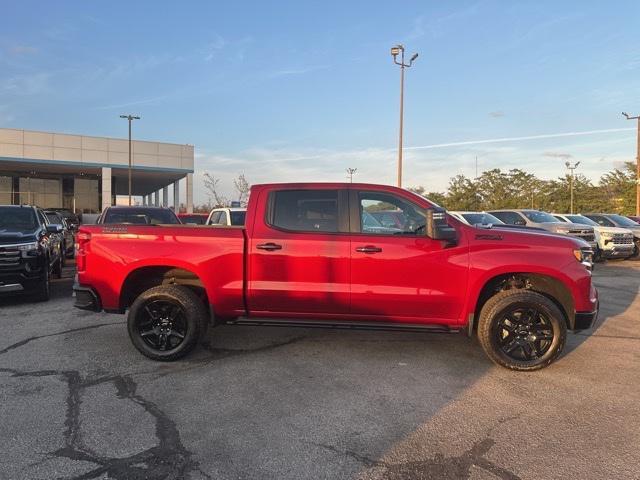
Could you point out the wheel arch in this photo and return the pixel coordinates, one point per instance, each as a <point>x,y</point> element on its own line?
<point>551,287</point>
<point>145,277</point>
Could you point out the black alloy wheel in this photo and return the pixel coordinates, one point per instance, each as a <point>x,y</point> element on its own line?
<point>521,329</point>
<point>166,322</point>
<point>523,333</point>
<point>162,324</point>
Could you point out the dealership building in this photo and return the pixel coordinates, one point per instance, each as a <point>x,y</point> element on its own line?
<point>85,173</point>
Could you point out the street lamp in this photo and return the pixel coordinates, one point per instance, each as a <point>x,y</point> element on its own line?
<point>637,117</point>
<point>572,168</point>
<point>130,118</point>
<point>395,51</point>
<point>350,172</point>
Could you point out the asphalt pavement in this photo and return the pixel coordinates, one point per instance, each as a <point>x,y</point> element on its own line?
<point>78,401</point>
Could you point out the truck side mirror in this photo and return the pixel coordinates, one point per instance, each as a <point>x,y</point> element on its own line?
<point>54,228</point>
<point>437,227</point>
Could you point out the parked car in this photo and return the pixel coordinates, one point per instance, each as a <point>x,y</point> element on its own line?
<point>305,258</point>
<point>539,219</point>
<point>227,216</point>
<point>138,215</point>
<point>71,218</point>
<point>615,220</point>
<point>30,251</point>
<point>68,232</point>
<point>476,218</point>
<point>613,242</point>
<point>194,218</point>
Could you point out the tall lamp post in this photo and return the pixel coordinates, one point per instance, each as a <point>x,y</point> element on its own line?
<point>637,117</point>
<point>572,168</point>
<point>130,118</point>
<point>350,172</point>
<point>395,51</point>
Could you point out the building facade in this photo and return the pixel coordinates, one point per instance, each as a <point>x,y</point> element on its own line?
<point>85,173</point>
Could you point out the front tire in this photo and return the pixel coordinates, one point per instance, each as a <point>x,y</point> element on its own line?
<point>522,330</point>
<point>43,291</point>
<point>166,322</point>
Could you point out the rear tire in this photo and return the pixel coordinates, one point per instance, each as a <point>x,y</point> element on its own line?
<point>522,330</point>
<point>166,322</point>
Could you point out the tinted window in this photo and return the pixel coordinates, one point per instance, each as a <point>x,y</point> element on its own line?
<point>215,218</point>
<point>54,218</point>
<point>305,210</point>
<point>197,219</point>
<point>624,221</point>
<point>560,219</point>
<point>540,217</point>
<point>14,219</point>
<point>237,218</point>
<point>512,218</point>
<point>581,220</point>
<point>140,216</point>
<point>400,217</point>
<point>600,220</point>
<point>481,219</point>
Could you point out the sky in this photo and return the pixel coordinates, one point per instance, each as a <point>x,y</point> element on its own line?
<point>302,90</point>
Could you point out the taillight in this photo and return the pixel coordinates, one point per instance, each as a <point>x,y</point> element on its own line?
<point>82,240</point>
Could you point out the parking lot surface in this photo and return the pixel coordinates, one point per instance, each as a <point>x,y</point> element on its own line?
<point>77,401</point>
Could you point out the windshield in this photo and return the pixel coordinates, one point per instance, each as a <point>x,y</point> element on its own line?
<point>197,219</point>
<point>54,218</point>
<point>540,217</point>
<point>141,216</point>
<point>581,220</point>
<point>481,219</point>
<point>624,221</point>
<point>237,218</point>
<point>16,219</point>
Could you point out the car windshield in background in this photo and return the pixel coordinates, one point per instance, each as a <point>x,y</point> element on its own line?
<point>237,218</point>
<point>540,217</point>
<point>624,221</point>
<point>581,220</point>
<point>197,219</point>
<point>54,218</point>
<point>140,216</point>
<point>16,219</point>
<point>481,219</point>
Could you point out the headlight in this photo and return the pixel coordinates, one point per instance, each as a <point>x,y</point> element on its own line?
<point>28,249</point>
<point>585,257</point>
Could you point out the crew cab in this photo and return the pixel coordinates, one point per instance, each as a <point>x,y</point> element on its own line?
<point>30,251</point>
<point>305,257</point>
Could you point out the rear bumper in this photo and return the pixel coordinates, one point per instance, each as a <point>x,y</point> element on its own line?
<point>86,298</point>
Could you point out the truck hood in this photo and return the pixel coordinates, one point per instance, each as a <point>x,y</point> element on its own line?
<point>526,236</point>
<point>611,230</point>
<point>568,228</point>
<point>13,237</point>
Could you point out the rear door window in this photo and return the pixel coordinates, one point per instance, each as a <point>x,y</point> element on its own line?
<point>304,210</point>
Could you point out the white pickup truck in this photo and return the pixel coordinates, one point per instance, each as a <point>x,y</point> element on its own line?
<point>227,216</point>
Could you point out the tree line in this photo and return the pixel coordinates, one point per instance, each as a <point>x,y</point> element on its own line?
<point>615,192</point>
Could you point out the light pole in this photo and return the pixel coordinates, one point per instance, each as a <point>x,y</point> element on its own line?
<point>350,172</point>
<point>130,118</point>
<point>395,51</point>
<point>637,117</point>
<point>572,168</point>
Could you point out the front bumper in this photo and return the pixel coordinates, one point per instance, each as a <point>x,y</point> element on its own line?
<point>617,251</point>
<point>86,298</point>
<point>18,282</point>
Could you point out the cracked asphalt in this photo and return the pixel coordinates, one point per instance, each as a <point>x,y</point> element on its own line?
<point>78,402</point>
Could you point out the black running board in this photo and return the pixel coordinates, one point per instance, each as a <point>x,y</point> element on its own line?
<point>344,325</point>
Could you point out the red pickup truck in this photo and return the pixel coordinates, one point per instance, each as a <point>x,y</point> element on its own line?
<point>315,255</point>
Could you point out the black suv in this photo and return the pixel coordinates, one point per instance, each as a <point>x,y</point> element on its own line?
<point>30,251</point>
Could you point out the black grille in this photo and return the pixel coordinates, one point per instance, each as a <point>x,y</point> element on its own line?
<point>9,257</point>
<point>622,239</point>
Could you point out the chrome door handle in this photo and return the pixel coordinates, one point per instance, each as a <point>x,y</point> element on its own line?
<point>369,249</point>
<point>269,247</point>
